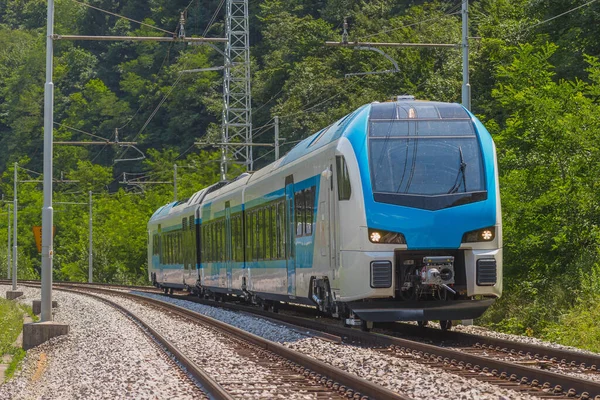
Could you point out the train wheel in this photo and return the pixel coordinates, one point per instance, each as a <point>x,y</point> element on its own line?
<point>171,291</point>
<point>274,307</point>
<point>422,324</point>
<point>445,325</point>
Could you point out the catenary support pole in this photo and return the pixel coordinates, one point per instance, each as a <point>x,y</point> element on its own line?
<point>466,88</point>
<point>276,138</point>
<point>90,259</point>
<point>8,274</point>
<point>47,212</point>
<point>14,255</point>
<point>174,182</point>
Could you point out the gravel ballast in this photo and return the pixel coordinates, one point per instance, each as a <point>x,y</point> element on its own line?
<point>400,375</point>
<point>104,356</point>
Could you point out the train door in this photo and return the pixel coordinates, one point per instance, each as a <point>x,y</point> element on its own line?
<point>333,211</point>
<point>228,246</point>
<point>189,270</point>
<point>161,259</point>
<point>198,244</point>
<point>290,235</point>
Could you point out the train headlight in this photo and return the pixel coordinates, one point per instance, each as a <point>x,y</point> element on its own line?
<point>480,235</point>
<point>381,236</point>
<point>375,237</point>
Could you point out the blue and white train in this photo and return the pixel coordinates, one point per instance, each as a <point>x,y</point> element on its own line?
<point>391,213</point>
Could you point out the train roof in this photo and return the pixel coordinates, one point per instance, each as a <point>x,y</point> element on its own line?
<point>176,207</point>
<point>322,138</point>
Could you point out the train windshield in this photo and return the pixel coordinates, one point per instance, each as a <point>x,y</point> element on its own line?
<point>421,159</point>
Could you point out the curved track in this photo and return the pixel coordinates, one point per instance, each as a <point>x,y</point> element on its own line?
<point>483,367</point>
<point>515,365</point>
<point>300,371</point>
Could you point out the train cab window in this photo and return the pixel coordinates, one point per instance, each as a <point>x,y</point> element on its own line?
<point>343,178</point>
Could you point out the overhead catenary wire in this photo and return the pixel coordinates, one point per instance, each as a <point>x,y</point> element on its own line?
<point>560,15</point>
<point>80,131</point>
<point>164,98</point>
<point>309,108</point>
<point>122,16</point>
<point>451,11</point>
<point>213,18</point>
<point>142,104</point>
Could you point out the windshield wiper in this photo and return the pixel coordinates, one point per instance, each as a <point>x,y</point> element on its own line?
<point>461,172</point>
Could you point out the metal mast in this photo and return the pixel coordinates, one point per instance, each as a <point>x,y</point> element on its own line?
<point>237,113</point>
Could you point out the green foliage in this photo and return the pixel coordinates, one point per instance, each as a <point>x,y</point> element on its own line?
<point>18,354</point>
<point>11,324</point>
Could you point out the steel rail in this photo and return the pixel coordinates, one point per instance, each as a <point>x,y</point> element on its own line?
<point>209,384</point>
<point>504,345</point>
<point>357,384</point>
<point>585,389</point>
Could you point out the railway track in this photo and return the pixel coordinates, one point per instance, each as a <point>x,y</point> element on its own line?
<point>475,362</point>
<point>296,372</point>
<point>518,366</point>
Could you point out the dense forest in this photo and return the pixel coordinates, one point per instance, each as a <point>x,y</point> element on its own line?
<point>535,78</point>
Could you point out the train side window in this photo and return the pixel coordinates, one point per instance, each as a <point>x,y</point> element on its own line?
<point>282,236</point>
<point>299,202</point>
<point>216,241</point>
<point>343,178</point>
<point>278,238</point>
<point>264,216</point>
<point>271,233</point>
<point>241,238</point>
<point>168,249</point>
<point>258,235</point>
<point>211,232</point>
<point>237,240</point>
<point>248,236</point>
<point>220,241</point>
<point>204,240</point>
<point>309,202</point>
<point>224,256</point>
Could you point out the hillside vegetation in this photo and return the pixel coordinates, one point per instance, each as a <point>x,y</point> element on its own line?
<point>536,86</point>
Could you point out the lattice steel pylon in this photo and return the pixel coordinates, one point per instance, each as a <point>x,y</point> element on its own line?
<point>237,98</point>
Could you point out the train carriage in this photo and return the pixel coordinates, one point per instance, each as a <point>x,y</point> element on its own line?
<point>391,213</point>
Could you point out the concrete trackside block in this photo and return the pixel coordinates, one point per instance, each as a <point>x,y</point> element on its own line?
<point>13,294</point>
<point>37,333</point>
<point>467,322</point>
<point>37,306</point>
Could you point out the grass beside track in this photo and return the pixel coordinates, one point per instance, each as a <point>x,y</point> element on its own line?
<point>11,325</point>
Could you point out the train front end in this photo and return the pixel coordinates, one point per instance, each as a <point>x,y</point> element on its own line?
<point>433,235</point>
